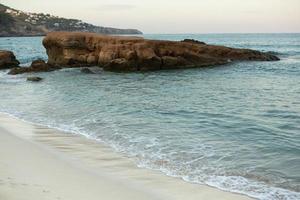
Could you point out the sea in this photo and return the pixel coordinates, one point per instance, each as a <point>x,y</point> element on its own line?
<point>234,127</point>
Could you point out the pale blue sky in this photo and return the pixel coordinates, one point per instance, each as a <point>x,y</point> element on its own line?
<point>176,16</point>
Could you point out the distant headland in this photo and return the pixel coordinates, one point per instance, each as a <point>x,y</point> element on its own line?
<point>14,23</point>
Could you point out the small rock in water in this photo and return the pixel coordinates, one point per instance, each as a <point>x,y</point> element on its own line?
<point>34,79</point>
<point>87,71</point>
<point>36,66</point>
<point>39,63</point>
<point>8,60</point>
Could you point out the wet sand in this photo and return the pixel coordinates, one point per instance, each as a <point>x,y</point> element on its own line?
<point>40,163</point>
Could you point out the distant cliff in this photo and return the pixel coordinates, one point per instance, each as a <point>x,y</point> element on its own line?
<point>17,23</point>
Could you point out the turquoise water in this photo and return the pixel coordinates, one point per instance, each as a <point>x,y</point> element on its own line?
<point>234,127</point>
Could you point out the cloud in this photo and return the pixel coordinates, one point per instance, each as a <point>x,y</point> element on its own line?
<point>115,7</point>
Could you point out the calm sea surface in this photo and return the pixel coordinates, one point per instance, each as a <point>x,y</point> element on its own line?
<point>235,127</point>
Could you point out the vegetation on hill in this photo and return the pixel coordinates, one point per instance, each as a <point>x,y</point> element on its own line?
<point>6,20</point>
<point>17,23</point>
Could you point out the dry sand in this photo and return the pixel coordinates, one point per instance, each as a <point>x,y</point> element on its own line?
<point>39,163</point>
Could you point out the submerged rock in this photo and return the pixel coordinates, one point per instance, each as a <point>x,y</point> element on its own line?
<point>86,71</point>
<point>125,54</point>
<point>8,60</point>
<point>36,66</point>
<point>34,79</point>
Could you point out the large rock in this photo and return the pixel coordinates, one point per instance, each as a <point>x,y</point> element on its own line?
<point>117,53</point>
<point>8,60</point>
<point>36,66</point>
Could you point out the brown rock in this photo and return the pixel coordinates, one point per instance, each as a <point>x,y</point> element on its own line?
<point>36,66</point>
<point>117,53</point>
<point>8,60</point>
<point>120,65</point>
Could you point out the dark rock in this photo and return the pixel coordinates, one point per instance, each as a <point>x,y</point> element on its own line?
<point>34,79</point>
<point>36,66</point>
<point>8,60</point>
<point>87,71</point>
<point>193,41</point>
<point>127,54</point>
<point>120,65</point>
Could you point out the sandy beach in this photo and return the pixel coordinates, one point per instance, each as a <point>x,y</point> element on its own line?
<point>38,163</point>
<point>149,100</point>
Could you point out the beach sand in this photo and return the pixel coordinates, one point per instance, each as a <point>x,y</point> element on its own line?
<point>39,163</point>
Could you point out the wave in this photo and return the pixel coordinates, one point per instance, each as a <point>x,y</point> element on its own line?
<point>154,97</point>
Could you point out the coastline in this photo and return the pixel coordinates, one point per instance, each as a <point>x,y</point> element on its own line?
<point>37,162</point>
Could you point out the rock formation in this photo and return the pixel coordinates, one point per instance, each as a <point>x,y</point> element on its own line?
<point>8,60</point>
<point>36,66</point>
<point>125,54</point>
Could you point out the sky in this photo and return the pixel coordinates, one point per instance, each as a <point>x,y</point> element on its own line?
<point>176,16</point>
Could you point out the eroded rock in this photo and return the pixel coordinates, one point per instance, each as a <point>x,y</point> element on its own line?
<point>117,53</point>
<point>36,66</point>
<point>8,60</point>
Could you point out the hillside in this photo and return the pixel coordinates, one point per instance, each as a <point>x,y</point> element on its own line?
<point>17,23</point>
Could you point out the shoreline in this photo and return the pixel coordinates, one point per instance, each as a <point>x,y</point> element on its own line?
<point>43,35</point>
<point>43,163</point>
